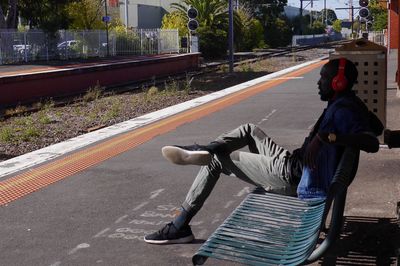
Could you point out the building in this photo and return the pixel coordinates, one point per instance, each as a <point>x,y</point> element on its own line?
<point>142,14</point>
<point>394,24</point>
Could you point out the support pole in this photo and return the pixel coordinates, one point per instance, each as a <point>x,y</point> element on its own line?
<point>126,14</point>
<point>301,17</point>
<point>352,21</point>
<point>105,9</point>
<point>231,56</point>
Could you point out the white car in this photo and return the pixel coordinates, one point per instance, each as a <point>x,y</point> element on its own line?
<point>20,48</point>
<point>66,44</point>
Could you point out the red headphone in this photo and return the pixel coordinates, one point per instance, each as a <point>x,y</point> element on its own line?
<point>339,82</point>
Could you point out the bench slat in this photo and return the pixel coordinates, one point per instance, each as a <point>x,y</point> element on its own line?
<point>267,229</point>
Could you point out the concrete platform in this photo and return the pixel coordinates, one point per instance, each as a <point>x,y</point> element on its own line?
<point>93,205</point>
<point>29,83</point>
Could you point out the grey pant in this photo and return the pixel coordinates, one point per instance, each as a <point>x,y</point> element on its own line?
<point>266,165</point>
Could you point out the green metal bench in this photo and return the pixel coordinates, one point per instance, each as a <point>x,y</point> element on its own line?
<point>271,229</point>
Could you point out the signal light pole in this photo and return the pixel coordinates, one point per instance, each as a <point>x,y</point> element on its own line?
<point>231,56</point>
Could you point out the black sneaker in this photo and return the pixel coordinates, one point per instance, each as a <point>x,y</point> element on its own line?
<point>170,235</point>
<point>193,154</point>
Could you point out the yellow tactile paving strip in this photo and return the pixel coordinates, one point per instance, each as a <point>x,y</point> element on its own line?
<point>37,178</point>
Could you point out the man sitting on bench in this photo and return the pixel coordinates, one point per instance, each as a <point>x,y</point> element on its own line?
<point>306,171</point>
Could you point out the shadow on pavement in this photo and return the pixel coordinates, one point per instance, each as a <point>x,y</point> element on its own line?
<point>366,241</point>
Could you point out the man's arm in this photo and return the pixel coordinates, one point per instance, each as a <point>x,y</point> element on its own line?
<point>365,141</point>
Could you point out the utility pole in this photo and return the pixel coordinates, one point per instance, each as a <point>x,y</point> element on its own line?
<point>106,20</point>
<point>351,10</point>
<point>231,37</point>
<point>126,13</point>
<point>301,17</point>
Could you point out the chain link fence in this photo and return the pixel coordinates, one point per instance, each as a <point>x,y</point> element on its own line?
<point>18,47</point>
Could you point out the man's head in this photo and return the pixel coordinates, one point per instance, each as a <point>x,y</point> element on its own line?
<point>329,71</point>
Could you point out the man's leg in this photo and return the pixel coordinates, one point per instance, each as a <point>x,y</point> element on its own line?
<point>269,166</point>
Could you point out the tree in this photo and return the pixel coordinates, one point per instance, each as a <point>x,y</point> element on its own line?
<point>266,10</point>
<point>47,15</point>
<point>211,13</point>
<point>86,14</point>
<point>279,34</point>
<point>8,18</point>
<point>318,27</point>
<point>329,15</point>
<point>213,24</point>
<point>250,33</point>
<point>175,20</point>
<point>379,15</point>
<point>337,25</point>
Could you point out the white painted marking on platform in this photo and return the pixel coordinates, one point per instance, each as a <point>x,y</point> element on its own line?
<point>217,218</point>
<point>228,204</point>
<point>244,191</point>
<point>99,234</point>
<point>52,152</point>
<point>288,78</point>
<point>57,263</point>
<point>267,116</point>
<point>120,219</point>
<point>78,247</point>
<point>156,193</point>
<point>140,206</point>
<point>202,233</point>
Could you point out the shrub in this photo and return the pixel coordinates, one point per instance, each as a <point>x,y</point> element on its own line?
<point>278,33</point>
<point>175,20</point>
<point>251,34</point>
<point>213,43</point>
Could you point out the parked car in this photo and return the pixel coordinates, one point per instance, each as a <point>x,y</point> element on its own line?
<point>68,49</point>
<point>67,44</point>
<point>20,48</point>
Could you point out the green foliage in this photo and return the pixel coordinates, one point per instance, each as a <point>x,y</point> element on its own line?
<point>86,14</point>
<point>127,40</point>
<point>269,13</point>
<point>30,133</point>
<point>265,10</point>
<point>93,93</point>
<point>250,34</point>
<point>213,43</point>
<point>213,24</point>
<point>6,134</point>
<point>278,33</point>
<point>8,14</point>
<point>211,13</point>
<point>47,15</point>
<point>175,20</point>
<point>337,25</point>
<point>318,27</point>
<point>379,14</point>
<point>331,16</point>
<point>44,118</point>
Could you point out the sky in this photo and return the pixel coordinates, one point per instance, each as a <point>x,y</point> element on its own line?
<point>331,4</point>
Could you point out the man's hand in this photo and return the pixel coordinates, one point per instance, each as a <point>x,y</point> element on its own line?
<point>312,151</point>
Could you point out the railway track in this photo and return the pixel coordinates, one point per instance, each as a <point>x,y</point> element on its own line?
<point>206,67</point>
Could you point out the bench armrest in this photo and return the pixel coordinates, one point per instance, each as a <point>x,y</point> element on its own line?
<point>344,175</point>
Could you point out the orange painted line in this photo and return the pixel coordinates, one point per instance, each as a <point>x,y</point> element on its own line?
<point>42,176</point>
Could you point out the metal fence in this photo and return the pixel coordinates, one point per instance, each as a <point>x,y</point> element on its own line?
<point>17,47</point>
<point>379,37</point>
<point>315,39</point>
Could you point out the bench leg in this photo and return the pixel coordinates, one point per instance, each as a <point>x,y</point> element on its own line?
<point>199,260</point>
